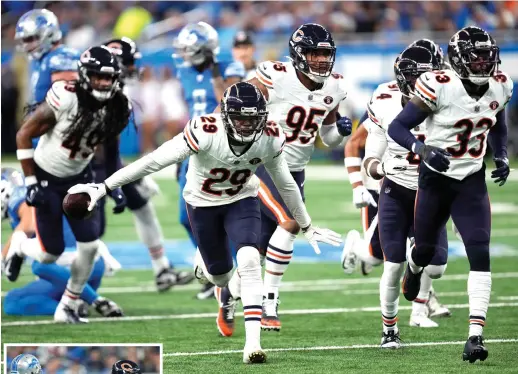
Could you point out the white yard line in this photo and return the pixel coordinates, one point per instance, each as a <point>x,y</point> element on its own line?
<point>333,347</point>
<point>214,315</point>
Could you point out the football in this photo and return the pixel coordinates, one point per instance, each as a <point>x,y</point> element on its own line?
<point>76,205</point>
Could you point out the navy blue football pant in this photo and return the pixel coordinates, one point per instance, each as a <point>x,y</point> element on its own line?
<point>396,224</point>
<point>41,297</point>
<point>184,218</point>
<point>213,227</point>
<point>467,201</point>
<point>49,218</point>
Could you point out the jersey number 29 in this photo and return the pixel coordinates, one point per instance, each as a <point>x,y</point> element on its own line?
<point>238,179</point>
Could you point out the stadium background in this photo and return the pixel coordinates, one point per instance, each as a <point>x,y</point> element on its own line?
<point>87,360</point>
<point>317,294</point>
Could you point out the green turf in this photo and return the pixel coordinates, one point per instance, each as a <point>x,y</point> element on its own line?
<point>329,204</point>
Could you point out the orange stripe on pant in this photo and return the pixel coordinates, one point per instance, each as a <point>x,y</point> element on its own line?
<point>37,231</point>
<point>266,197</point>
<point>365,222</point>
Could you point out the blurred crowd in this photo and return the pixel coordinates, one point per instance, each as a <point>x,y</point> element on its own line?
<point>88,360</point>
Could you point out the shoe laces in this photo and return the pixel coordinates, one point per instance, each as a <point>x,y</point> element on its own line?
<point>271,306</point>
<point>230,309</point>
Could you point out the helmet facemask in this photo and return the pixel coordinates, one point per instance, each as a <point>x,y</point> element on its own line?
<point>96,84</point>
<point>316,63</point>
<point>481,63</point>
<point>245,127</point>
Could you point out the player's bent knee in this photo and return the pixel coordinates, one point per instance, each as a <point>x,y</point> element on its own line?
<point>435,271</point>
<point>291,226</point>
<point>89,248</point>
<point>47,258</point>
<point>248,258</point>
<point>392,272</point>
<point>220,280</point>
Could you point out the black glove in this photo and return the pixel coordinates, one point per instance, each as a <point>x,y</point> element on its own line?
<point>120,200</point>
<point>35,195</point>
<point>344,125</point>
<point>436,157</point>
<point>502,170</point>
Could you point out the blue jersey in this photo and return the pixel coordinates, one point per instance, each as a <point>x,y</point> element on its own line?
<point>197,87</point>
<point>16,198</point>
<point>60,59</point>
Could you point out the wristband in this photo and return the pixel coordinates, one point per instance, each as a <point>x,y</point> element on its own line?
<point>355,177</point>
<point>30,180</point>
<point>24,154</point>
<point>352,161</point>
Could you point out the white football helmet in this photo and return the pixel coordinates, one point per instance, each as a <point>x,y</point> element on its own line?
<point>25,364</point>
<point>36,31</point>
<point>194,41</point>
<point>11,178</point>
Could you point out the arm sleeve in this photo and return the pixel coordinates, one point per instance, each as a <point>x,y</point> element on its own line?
<point>498,136</point>
<point>171,152</point>
<point>112,155</point>
<point>330,135</point>
<point>234,69</point>
<point>376,143</point>
<point>288,189</point>
<point>399,130</point>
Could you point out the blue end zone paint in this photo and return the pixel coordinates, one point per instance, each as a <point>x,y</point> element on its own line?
<point>133,255</point>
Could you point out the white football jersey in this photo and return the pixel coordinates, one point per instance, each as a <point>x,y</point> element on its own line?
<point>53,153</point>
<point>299,111</point>
<point>384,106</point>
<point>460,123</point>
<point>218,176</point>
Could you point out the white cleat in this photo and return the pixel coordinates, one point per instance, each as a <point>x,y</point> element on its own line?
<point>390,340</point>
<point>435,308</point>
<point>421,320</point>
<point>349,257</point>
<point>254,355</point>
<point>66,314</point>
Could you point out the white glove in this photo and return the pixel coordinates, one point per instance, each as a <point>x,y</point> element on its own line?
<point>315,235</point>
<point>96,191</point>
<point>393,166</point>
<point>362,197</point>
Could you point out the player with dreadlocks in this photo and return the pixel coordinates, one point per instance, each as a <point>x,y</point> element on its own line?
<point>74,119</point>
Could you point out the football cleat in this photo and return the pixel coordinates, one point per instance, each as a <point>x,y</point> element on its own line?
<point>169,277</point>
<point>390,339</point>
<point>349,257</point>
<point>435,308</point>
<point>474,349</point>
<point>421,320</point>
<point>107,308</point>
<point>66,314</point>
<point>366,267</point>
<point>254,355</point>
<point>227,310</point>
<point>82,309</point>
<point>269,319</point>
<point>206,292</point>
<point>411,284</point>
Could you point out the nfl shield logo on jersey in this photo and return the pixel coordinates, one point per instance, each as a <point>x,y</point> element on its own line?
<point>328,100</point>
<point>255,161</point>
<point>493,105</point>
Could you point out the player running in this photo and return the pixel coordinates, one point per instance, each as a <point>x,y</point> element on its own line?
<point>74,119</point>
<point>204,79</point>
<point>302,97</point>
<point>221,194</point>
<point>41,297</point>
<point>463,108</point>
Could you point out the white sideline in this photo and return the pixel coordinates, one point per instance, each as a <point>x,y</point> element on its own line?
<point>333,347</point>
<point>214,315</point>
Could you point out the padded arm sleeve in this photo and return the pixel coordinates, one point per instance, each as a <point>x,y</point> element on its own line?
<point>399,130</point>
<point>498,136</point>
<point>330,135</point>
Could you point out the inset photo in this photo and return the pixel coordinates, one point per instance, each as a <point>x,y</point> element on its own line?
<point>83,359</point>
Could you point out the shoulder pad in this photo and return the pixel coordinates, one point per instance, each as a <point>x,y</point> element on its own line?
<point>382,100</point>
<point>62,62</point>
<point>270,72</point>
<point>338,86</point>
<point>429,86</point>
<point>199,131</point>
<point>507,85</point>
<point>61,97</point>
<point>234,69</point>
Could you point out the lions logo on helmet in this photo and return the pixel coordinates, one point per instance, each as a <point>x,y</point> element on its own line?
<point>195,42</point>
<point>125,367</point>
<point>36,31</point>
<point>25,364</point>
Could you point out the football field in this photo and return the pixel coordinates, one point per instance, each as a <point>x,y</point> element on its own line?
<point>330,321</point>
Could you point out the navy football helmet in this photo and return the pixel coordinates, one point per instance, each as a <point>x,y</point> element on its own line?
<point>127,55</point>
<point>312,51</point>
<point>244,113</point>
<point>126,367</point>
<point>473,55</point>
<point>434,48</point>
<point>99,61</point>
<point>410,64</point>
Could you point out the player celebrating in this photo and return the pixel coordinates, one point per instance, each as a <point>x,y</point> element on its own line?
<point>221,193</point>
<point>73,120</point>
<point>388,160</point>
<point>126,367</point>
<point>138,194</point>
<point>302,97</point>
<point>204,79</point>
<point>25,364</point>
<point>462,108</point>
<point>41,296</point>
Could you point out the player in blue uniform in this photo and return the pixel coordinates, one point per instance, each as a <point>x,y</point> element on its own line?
<point>204,79</point>
<point>42,296</point>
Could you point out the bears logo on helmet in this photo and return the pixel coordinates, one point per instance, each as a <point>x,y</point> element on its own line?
<point>125,367</point>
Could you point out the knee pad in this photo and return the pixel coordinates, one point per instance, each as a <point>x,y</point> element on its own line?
<point>88,248</point>
<point>248,258</point>
<point>392,272</point>
<point>435,271</point>
<point>222,279</point>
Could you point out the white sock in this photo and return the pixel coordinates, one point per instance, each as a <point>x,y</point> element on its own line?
<point>159,261</point>
<point>249,268</point>
<point>234,285</point>
<point>479,290</point>
<point>419,304</point>
<point>389,294</point>
<point>81,268</point>
<point>148,227</point>
<point>278,257</point>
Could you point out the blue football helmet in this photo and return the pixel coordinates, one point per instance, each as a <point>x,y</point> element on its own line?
<point>36,32</point>
<point>25,364</point>
<point>195,41</point>
<point>11,178</point>
<point>125,367</point>
<point>244,113</point>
